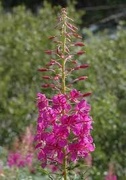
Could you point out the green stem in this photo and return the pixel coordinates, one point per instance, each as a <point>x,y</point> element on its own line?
<point>64,85</point>
<point>63,77</point>
<point>65,166</point>
<point>63,59</point>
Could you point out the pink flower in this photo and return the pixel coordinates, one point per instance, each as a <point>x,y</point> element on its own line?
<point>64,123</point>
<point>111,173</point>
<point>111,177</point>
<point>74,94</point>
<point>18,160</point>
<point>41,101</point>
<point>14,159</point>
<point>60,103</point>
<point>82,107</point>
<point>49,115</point>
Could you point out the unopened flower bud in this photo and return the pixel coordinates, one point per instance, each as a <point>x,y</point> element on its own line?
<point>45,85</point>
<point>52,37</point>
<point>74,61</point>
<point>46,77</point>
<point>77,36</point>
<point>82,78</point>
<point>79,44</point>
<point>80,52</point>
<point>72,26</point>
<point>87,94</point>
<point>56,77</point>
<point>81,67</point>
<point>84,66</point>
<point>48,52</point>
<point>58,51</point>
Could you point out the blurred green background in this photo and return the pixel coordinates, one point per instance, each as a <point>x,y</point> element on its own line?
<point>24,30</point>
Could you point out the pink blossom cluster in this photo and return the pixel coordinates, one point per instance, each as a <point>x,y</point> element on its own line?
<point>16,159</point>
<point>111,173</point>
<point>64,124</point>
<point>111,177</point>
<point>23,151</point>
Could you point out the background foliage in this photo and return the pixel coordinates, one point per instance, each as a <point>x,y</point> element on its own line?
<point>23,38</point>
<point>95,11</point>
<point>80,3</point>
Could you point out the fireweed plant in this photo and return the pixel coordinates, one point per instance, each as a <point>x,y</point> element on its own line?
<point>64,124</point>
<point>22,154</point>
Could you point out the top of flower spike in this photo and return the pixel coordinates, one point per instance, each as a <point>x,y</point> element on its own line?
<point>64,12</point>
<point>65,42</point>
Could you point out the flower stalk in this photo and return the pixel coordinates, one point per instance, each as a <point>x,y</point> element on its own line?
<point>63,36</point>
<point>64,123</point>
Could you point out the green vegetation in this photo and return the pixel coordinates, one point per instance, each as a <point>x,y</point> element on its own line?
<point>107,77</point>
<point>23,39</point>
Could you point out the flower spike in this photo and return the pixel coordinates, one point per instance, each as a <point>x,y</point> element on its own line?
<point>64,123</point>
